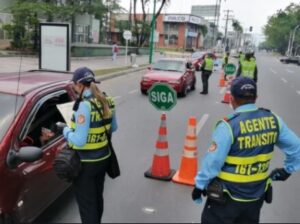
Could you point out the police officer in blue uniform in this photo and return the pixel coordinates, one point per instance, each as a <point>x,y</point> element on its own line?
<point>234,173</point>
<point>88,136</point>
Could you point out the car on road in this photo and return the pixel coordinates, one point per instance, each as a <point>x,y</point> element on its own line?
<point>177,72</point>
<point>290,59</point>
<point>198,58</point>
<point>28,106</point>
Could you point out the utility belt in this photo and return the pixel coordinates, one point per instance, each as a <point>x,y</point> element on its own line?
<point>215,192</point>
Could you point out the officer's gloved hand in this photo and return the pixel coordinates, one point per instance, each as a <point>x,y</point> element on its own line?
<point>279,174</point>
<point>196,195</point>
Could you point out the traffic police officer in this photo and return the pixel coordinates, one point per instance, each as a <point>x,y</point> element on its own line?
<point>225,59</point>
<point>248,68</point>
<point>206,68</point>
<point>241,56</point>
<point>87,135</point>
<point>225,62</point>
<point>234,172</point>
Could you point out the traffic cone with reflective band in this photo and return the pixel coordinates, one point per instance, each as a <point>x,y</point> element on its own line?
<point>226,98</point>
<point>222,80</point>
<point>161,163</point>
<point>189,161</point>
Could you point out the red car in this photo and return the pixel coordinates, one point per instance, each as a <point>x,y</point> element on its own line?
<point>28,108</point>
<point>177,72</point>
<point>198,57</point>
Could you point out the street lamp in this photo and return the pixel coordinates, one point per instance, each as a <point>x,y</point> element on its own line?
<point>293,38</point>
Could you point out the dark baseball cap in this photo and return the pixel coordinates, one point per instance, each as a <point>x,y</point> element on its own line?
<point>243,87</point>
<point>83,75</point>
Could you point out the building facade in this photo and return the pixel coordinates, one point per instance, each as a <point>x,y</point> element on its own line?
<point>176,31</point>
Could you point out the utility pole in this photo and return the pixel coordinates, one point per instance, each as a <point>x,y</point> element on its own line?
<point>152,33</point>
<point>228,17</point>
<point>216,21</point>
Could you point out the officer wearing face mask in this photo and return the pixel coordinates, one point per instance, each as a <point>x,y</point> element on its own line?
<point>234,173</point>
<point>93,118</point>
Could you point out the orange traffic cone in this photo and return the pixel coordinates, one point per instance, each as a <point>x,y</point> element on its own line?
<point>161,163</point>
<point>189,162</point>
<point>222,80</point>
<point>226,98</point>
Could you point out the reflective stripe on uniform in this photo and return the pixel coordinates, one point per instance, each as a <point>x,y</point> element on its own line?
<point>248,160</point>
<point>237,178</point>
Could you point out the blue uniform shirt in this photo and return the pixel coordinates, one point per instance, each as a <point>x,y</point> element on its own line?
<point>214,159</point>
<point>78,137</point>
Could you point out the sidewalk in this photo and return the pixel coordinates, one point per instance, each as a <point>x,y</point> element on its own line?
<point>12,64</point>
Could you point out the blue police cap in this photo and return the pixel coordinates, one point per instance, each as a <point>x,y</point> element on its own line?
<point>83,75</point>
<point>243,87</point>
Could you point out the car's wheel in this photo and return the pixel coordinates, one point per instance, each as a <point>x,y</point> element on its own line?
<point>144,92</point>
<point>6,219</point>
<point>184,91</point>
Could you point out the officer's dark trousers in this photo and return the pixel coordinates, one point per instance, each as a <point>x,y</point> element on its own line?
<point>204,77</point>
<point>231,212</point>
<point>88,188</point>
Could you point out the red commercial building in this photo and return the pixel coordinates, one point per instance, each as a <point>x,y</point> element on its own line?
<point>177,31</point>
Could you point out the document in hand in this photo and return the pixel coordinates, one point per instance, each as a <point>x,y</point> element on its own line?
<point>66,110</point>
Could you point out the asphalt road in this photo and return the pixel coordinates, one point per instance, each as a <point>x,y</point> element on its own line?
<point>134,198</point>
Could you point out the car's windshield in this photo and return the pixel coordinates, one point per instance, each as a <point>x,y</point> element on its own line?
<point>7,112</point>
<point>168,65</point>
<point>197,55</point>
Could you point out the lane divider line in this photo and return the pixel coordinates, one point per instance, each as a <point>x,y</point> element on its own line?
<point>273,71</point>
<point>117,97</point>
<point>284,80</point>
<point>298,92</point>
<point>201,123</point>
<point>290,71</point>
<point>133,91</point>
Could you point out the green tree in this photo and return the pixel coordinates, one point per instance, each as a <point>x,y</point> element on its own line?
<point>279,27</point>
<point>142,27</point>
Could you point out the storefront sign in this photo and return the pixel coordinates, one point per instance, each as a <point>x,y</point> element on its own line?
<point>176,18</point>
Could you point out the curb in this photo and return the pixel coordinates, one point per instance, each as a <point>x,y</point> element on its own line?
<point>120,73</point>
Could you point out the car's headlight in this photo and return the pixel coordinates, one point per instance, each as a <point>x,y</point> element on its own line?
<point>145,79</point>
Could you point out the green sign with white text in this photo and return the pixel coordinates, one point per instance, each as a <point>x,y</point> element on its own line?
<point>162,96</point>
<point>229,69</point>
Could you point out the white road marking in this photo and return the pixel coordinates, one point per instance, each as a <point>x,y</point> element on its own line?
<point>298,92</point>
<point>284,80</point>
<point>201,123</point>
<point>117,97</point>
<point>133,91</point>
<point>290,71</point>
<point>222,90</point>
<point>273,71</point>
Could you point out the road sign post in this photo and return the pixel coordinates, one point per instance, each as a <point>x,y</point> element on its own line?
<point>127,36</point>
<point>229,69</point>
<point>162,96</point>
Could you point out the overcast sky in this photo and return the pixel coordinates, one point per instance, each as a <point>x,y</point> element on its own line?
<point>249,12</point>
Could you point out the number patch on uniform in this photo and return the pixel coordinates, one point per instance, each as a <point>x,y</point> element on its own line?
<point>213,147</point>
<point>81,119</point>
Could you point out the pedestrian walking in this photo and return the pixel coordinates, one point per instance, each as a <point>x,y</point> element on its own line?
<point>234,173</point>
<point>115,51</point>
<point>248,67</point>
<point>88,136</point>
<point>206,68</point>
